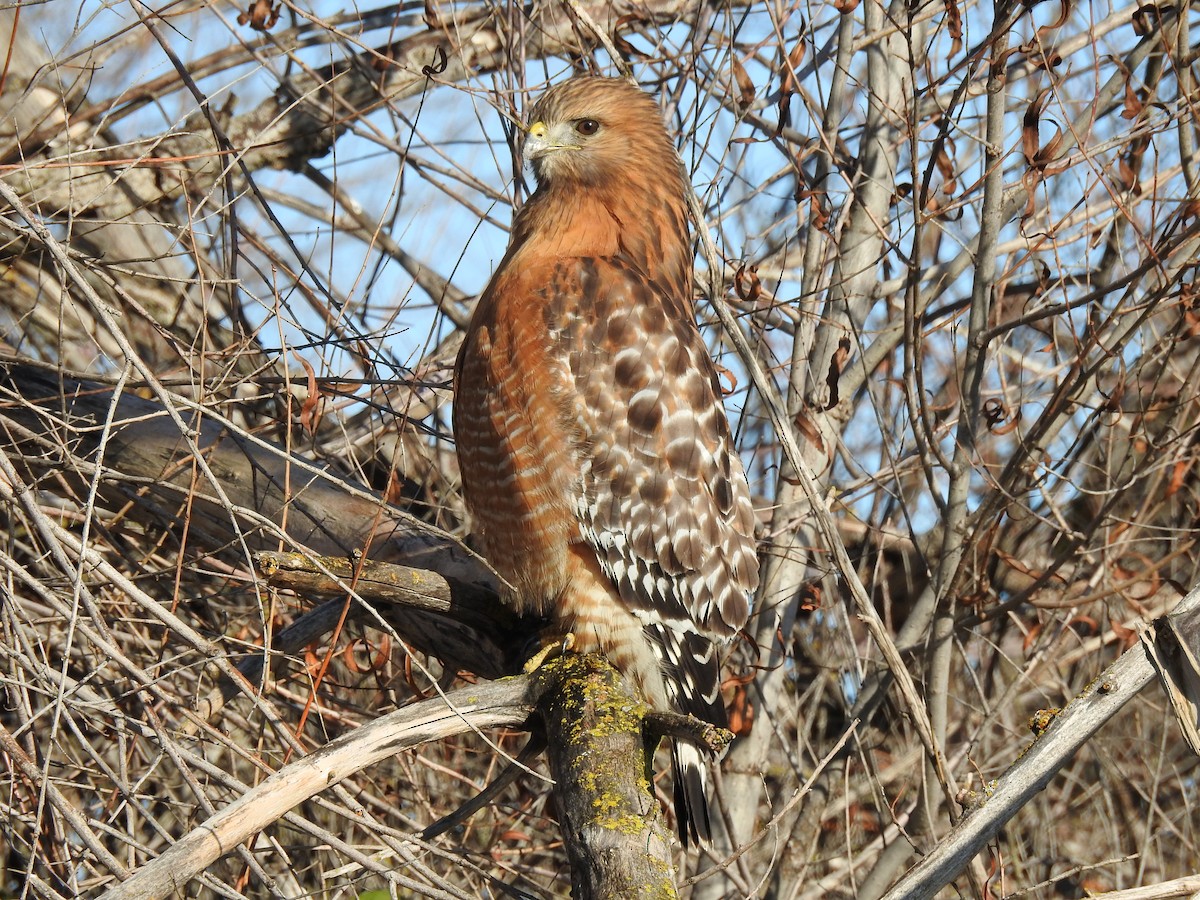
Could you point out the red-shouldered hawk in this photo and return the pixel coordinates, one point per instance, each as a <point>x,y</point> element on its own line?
<point>596,458</point>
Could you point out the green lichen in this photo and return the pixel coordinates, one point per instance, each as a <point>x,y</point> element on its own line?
<point>629,824</point>
<point>608,800</point>
<point>1041,720</point>
<point>665,889</point>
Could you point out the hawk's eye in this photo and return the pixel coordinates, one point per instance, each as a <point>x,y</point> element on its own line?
<point>587,127</point>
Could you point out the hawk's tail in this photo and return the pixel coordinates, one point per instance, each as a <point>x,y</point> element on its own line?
<point>692,676</point>
<point>691,794</point>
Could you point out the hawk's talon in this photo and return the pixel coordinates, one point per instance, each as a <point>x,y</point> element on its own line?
<point>552,647</point>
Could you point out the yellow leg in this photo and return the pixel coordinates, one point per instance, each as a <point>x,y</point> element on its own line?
<point>552,646</point>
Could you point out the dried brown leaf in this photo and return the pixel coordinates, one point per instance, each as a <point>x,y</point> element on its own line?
<point>745,83</point>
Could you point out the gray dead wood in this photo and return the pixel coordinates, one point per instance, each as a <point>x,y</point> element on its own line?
<point>507,702</point>
<point>1188,886</point>
<point>53,425</point>
<point>1069,730</point>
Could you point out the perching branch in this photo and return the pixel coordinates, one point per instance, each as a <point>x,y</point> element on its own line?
<point>616,839</point>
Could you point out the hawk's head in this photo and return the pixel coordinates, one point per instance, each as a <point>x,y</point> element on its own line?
<point>589,131</point>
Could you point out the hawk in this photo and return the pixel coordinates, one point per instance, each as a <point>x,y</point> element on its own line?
<point>596,459</point>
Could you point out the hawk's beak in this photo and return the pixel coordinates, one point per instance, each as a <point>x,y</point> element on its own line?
<point>540,141</point>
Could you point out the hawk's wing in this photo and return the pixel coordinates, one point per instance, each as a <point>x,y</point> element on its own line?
<point>663,497</point>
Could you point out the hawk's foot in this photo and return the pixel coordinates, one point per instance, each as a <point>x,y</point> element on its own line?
<point>549,647</point>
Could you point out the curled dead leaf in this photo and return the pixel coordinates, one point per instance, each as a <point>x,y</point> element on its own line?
<point>745,84</point>
<point>791,80</point>
<point>953,24</point>
<point>1126,637</point>
<point>747,284</point>
<point>741,712</point>
<point>310,409</point>
<point>810,597</point>
<point>261,15</point>
<point>725,375</point>
<point>809,431</point>
<point>627,50</point>
<point>836,363</point>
